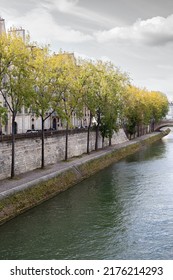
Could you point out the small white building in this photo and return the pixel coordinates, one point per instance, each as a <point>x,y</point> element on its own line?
<point>170,112</point>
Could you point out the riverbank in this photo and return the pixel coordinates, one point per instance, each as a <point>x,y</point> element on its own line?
<point>32,188</point>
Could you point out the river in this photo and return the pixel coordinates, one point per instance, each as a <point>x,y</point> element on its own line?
<point>122,212</point>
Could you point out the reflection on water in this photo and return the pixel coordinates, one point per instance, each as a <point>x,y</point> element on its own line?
<point>123,212</point>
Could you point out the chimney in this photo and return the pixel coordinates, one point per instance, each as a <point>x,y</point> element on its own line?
<point>2,25</point>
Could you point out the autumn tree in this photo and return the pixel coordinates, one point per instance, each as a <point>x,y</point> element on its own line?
<point>46,96</point>
<point>109,123</point>
<point>67,85</point>
<point>88,86</point>
<point>158,106</point>
<point>15,82</point>
<point>142,108</point>
<point>114,86</point>
<point>102,85</point>
<point>110,85</point>
<point>133,109</point>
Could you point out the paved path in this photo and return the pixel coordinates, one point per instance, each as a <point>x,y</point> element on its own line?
<point>28,178</point>
<point>8,184</point>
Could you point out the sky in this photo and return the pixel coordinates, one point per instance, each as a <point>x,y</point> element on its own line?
<point>135,35</point>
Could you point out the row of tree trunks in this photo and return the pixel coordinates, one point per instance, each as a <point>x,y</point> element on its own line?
<point>140,130</point>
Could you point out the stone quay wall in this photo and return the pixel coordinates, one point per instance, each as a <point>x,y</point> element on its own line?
<point>28,150</point>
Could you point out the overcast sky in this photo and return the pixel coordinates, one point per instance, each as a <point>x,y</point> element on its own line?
<point>136,35</point>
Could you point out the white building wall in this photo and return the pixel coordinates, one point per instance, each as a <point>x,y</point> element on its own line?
<point>170,112</point>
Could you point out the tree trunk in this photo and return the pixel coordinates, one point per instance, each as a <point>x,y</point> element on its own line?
<point>97,135</point>
<point>66,142</point>
<point>97,131</point>
<point>88,136</point>
<point>13,147</point>
<point>110,140</point>
<point>42,143</point>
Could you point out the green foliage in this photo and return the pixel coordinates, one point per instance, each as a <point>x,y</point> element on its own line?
<point>66,84</point>
<point>3,115</point>
<point>102,85</point>
<point>15,82</point>
<point>46,97</point>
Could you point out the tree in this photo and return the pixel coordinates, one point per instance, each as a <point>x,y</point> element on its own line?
<point>142,108</point>
<point>111,83</point>
<point>88,86</point>
<point>67,85</point>
<point>46,95</point>
<point>159,106</point>
<point>109,123</point>
<point>114,86</point>
<point>133,110</point>
<point>15,82</point>
<point>102,85</point>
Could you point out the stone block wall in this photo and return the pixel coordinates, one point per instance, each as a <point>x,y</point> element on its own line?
<point>28,151</point>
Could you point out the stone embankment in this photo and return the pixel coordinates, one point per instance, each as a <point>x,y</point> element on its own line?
<point>33,188</point>
<point>28,149</point>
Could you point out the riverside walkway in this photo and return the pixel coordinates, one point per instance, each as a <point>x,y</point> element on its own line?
<point>38,175</point>
<point>24,180</point>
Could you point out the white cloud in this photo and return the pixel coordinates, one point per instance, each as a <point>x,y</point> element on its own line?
<point>165,67</point>
<point>154,31</point>
<point>72,7</point>
<point>43,28</point>
<point>65,6</point>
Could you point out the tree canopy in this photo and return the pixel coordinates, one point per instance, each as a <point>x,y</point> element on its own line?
<point>142,107</point>
<point>15,78</point>
<point>34,77</point>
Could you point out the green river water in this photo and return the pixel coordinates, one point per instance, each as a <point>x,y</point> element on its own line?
<point>122,212</point>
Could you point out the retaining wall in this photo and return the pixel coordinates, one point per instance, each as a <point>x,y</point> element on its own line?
<point>28,150</point>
